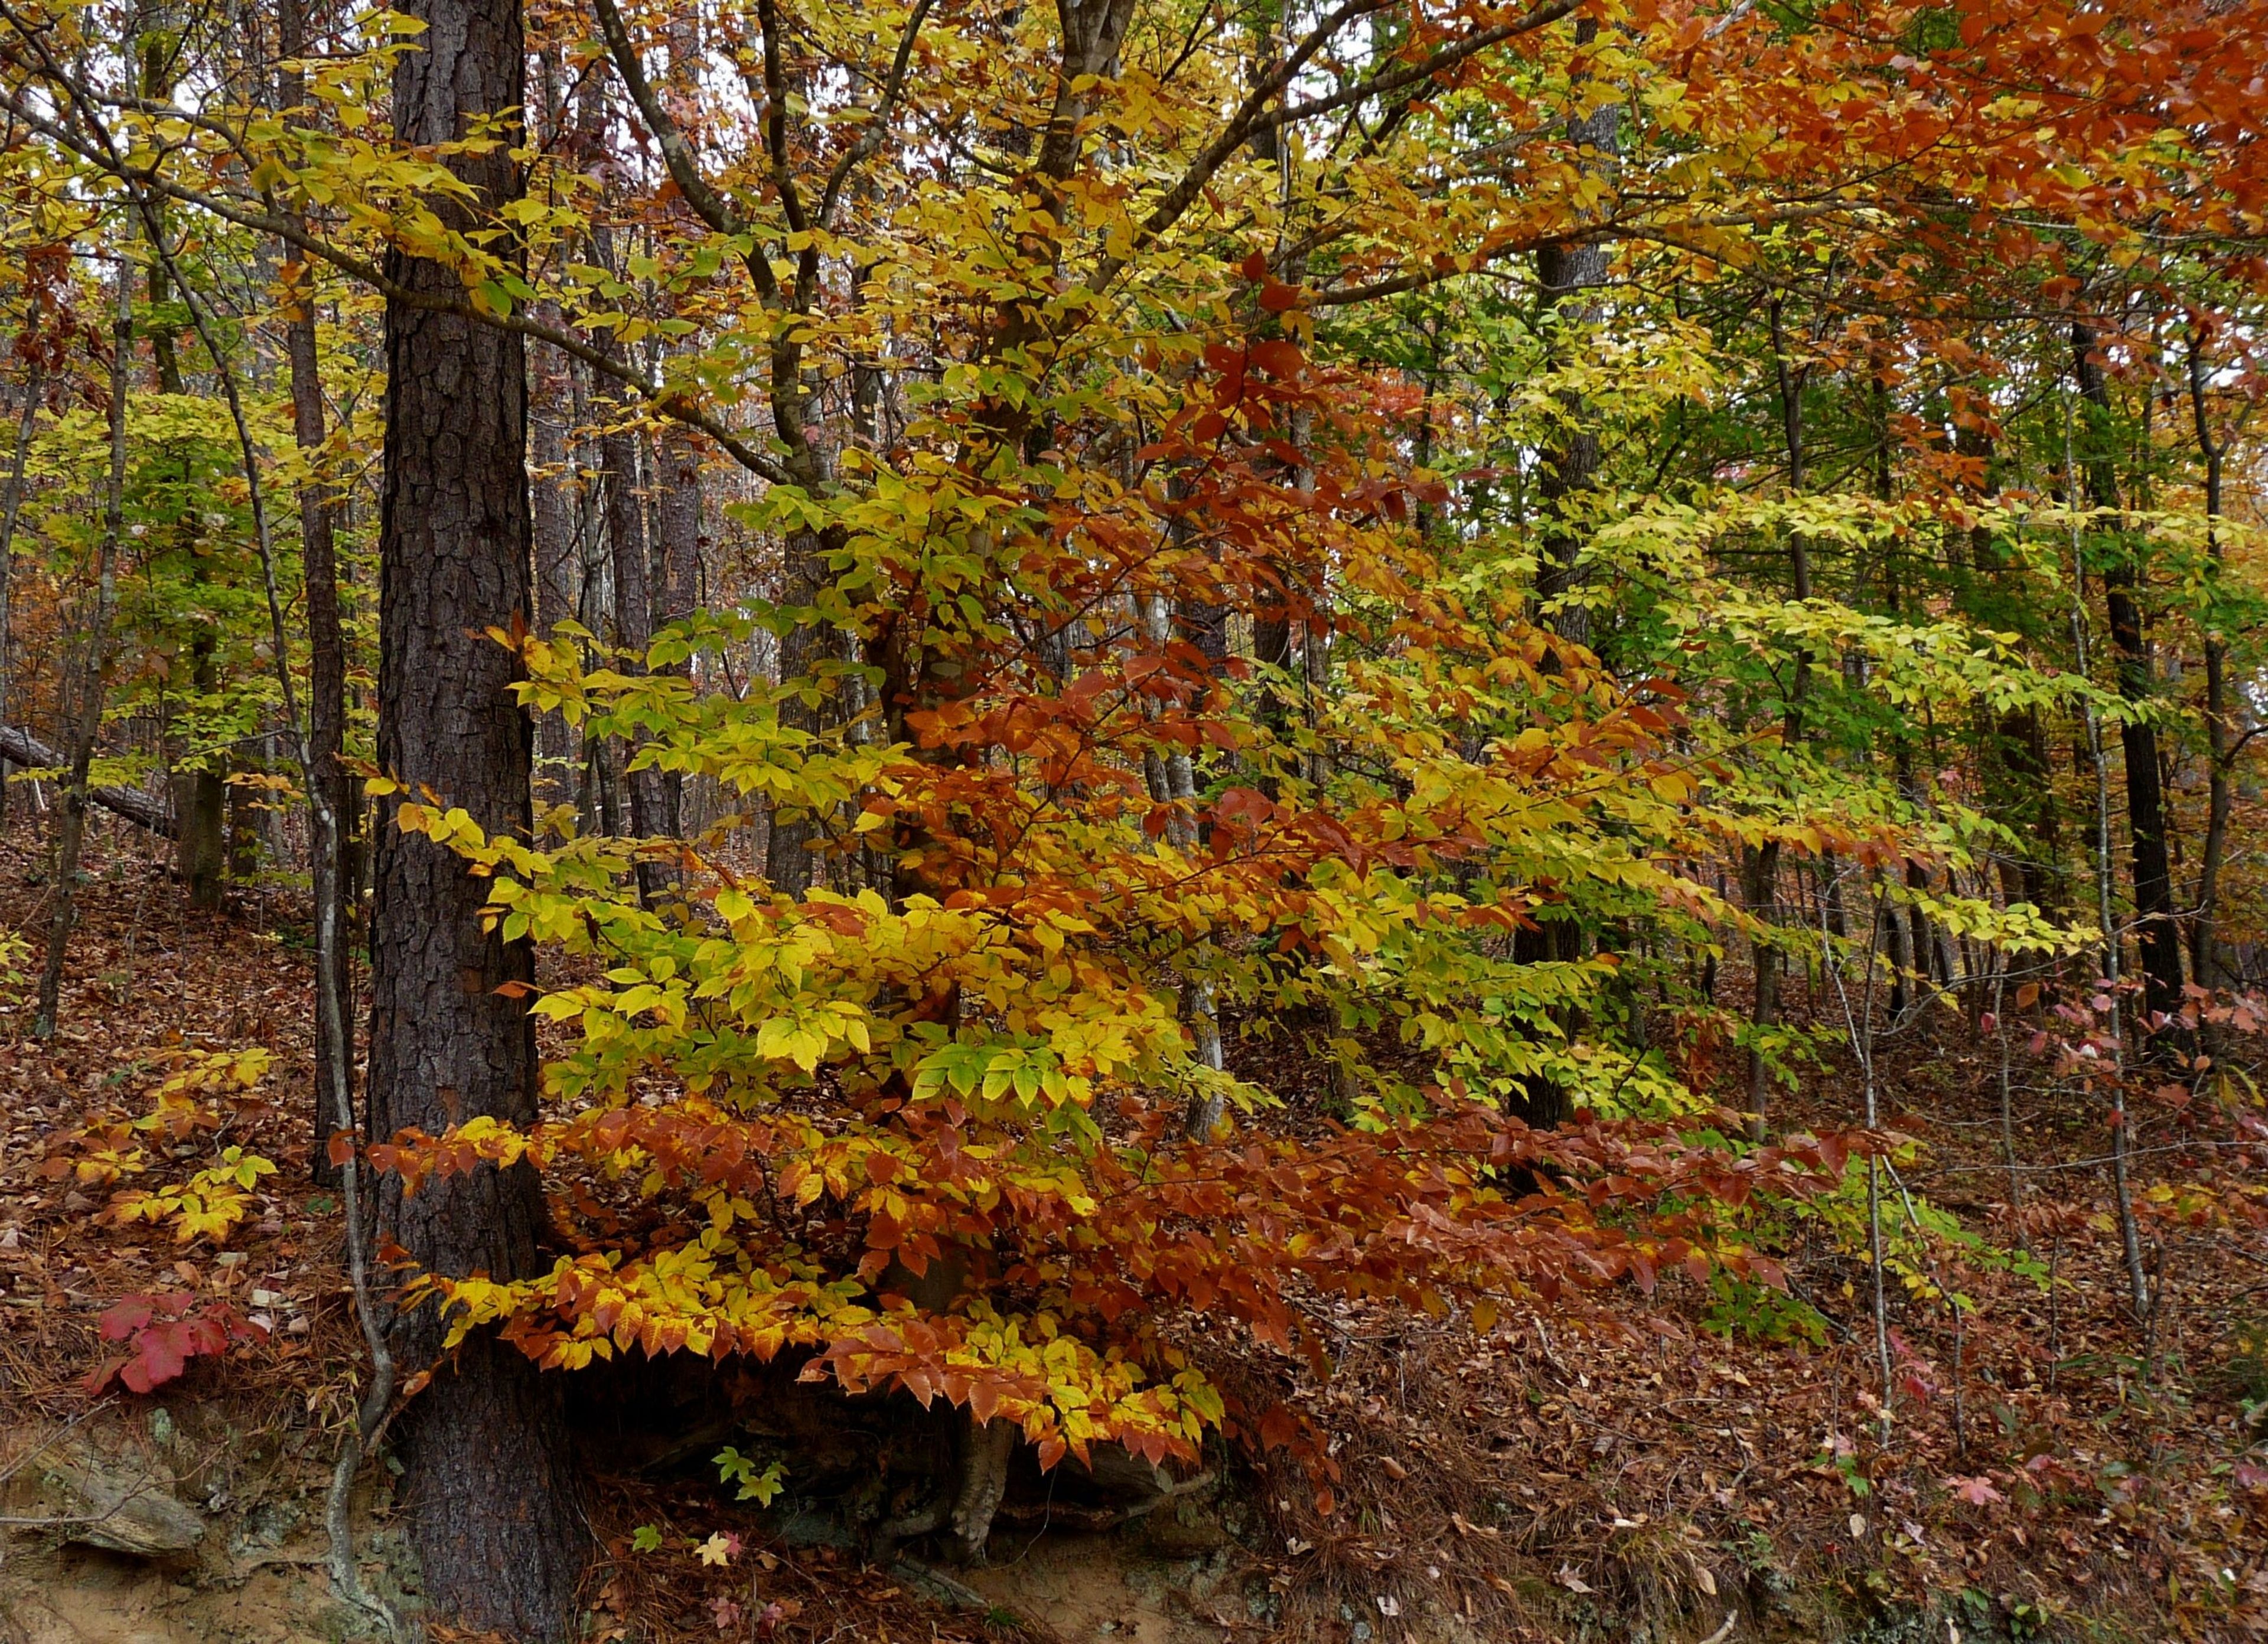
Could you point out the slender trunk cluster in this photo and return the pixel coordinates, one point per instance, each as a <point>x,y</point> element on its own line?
<point>2157,935</point>
<point>86,699</point>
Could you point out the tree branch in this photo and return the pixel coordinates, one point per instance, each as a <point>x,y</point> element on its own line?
<point>1253,116</point>
<point>270,222</point>
<point>871,139</point>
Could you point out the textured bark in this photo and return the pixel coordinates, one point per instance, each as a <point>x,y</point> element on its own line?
<point>201,803</point>
<point>2157,937</point>
<point>488,1480</point>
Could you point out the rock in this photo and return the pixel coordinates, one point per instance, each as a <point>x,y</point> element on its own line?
<point>1186,1529</point>
<point>124,1502</point>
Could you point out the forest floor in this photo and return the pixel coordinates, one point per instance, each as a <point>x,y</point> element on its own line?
<point>1685,1466</point>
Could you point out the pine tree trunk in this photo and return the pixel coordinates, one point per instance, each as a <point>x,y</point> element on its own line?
<point>488,1479</point>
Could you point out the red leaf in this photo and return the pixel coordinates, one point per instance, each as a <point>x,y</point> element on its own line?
<point>1276,1428</point>
<point>1277,357</point>
<point>125,1317</point>
<point>160,1355</point>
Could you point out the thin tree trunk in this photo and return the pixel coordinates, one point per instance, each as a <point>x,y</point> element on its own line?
<point>2121,1143</point>
<point>677,521</point>
<point>1571,466</point>
<point>623,511</point>
<point>633,611</point>
<point>201,802</point>
<point>71,826</point>
<point>788,857</point>
<point>487,1473</point>
<point>335,1072</point>
<point>1762,866</point>
<point>2157,939</point>
<point>9,510</point>
<point>333,846</point>
<point>2205,957</point>
<point>556,571</point>
<point>1566,273</point>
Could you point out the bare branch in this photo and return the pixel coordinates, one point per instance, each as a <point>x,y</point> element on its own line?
<point>1253,115</point>
<point>878,127</point>
<point>684,169</point>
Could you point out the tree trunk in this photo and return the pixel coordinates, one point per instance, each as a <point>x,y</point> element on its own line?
<point>677,524</point>
<point>335,872</point>
<point>493,1511</point>
<point>201,796</point>
<point>557,570</point>
<point>2205,967</point>
<point>2158,939</point>
<point>622,505</point>
<point>1760,888</point>
<point>633,626</point>
<point>8,508</point>
<point>71,826</point>
<point>1762,863</point>
<point>788,859</point>
<point>1571,466</point>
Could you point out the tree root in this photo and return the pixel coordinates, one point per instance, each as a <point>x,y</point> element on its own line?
<point>937,1585</point>
<point>983,1480</point>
